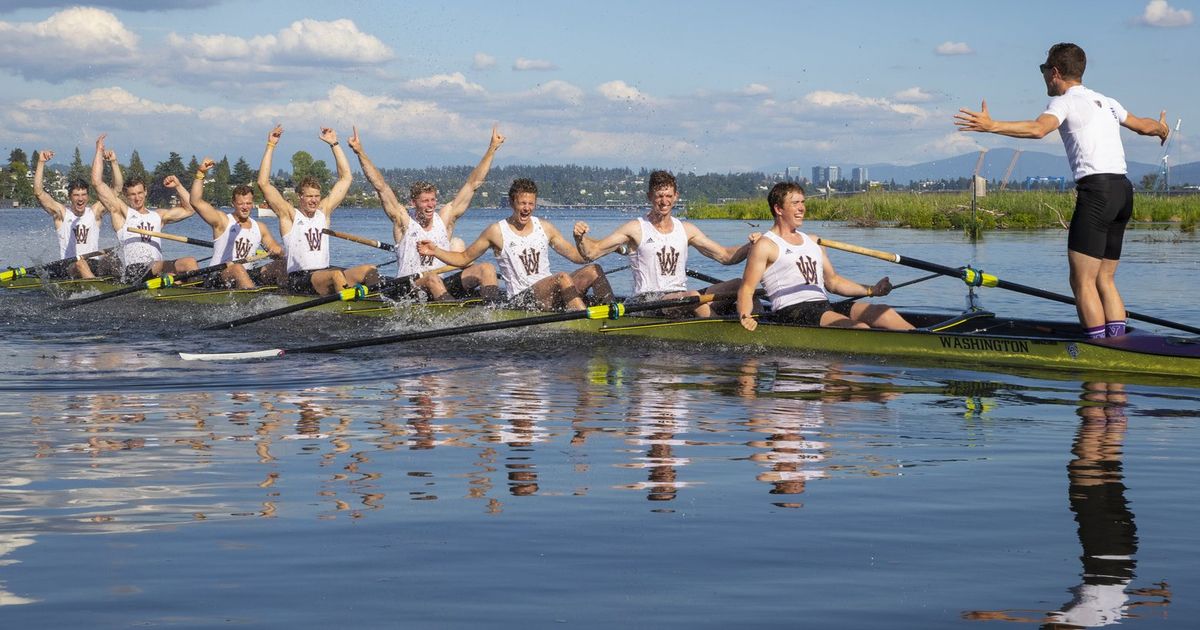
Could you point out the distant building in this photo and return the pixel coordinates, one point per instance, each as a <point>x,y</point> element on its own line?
<point>833,174</point>
<point>820,175</point>
<point>859,176</point>
<point>793,174</point>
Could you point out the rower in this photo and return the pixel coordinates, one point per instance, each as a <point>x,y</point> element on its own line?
<point>77,226</point>
<point>141,255</point>
<point>798,276</point>
<point>521,243</point>
<point>235,235</point>
<point>307,247</point>
<point>659,244</point>
<point>438,227</point>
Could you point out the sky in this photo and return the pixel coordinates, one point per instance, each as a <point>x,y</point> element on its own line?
<point>700,86</point>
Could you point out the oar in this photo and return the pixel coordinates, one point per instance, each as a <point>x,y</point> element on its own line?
<point>362,240</point>
<point>20,272</point>
<point>350,294</point>
<point>894,287</point>
<point>162,281</point>
<point>703,277</point>
<point>172,237</point>
<point>975,277</point>
<point>605,311</point>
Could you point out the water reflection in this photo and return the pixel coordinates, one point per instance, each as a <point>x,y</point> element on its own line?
<point>1106,529</point>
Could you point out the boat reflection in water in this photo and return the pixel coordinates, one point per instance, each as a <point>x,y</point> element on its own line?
<point>1106,531</point>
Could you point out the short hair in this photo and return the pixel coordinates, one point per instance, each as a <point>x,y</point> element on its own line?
<point>308,182</point>
<point>1069,59</point>
<point>420,186</point>
<point>522,185</point>
<point>134,181</point>
<point>661,179</point>
<point>77,184</point>
<point>780,191</point>
<point>241,190</point>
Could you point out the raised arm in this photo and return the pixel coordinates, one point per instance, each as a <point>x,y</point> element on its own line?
<point>589,248</point>
<point>391,205</point>
<point>45,199</point>
<point>1148,126</point>
<point>211,215</point>
<point>455,209</point>
<point>110,156</point>
<point>342,186</point>
<point>981,121</point>
<point>184,209</point>
<point>107,196</point>
<point>716,251</point>
<point>278,204</point>
<point>489,238</point>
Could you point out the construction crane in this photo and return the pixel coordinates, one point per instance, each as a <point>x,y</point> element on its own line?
<point>1008,172</point>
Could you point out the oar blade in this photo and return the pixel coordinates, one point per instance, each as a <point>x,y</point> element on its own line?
<point>232,356</point>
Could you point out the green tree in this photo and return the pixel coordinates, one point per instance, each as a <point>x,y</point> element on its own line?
<point>1149,180</point>
<point>302,162</point>
<point>242,173</point>
<point>220,188</point>
<point>20,185</point>
<point>136,168</point>
<point>159,195</point>
<point>78,170</point>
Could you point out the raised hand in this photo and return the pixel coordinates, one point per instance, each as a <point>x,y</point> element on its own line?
<point>275,134</point>
<point>329,136</point>
<point>497,137</point>
<point>354,142</point>
<point>171,181</point>
<point>967,120</point>
<point>46,155</point>
<point>207,164</point>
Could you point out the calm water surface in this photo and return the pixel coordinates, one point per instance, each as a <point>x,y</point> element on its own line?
<point>534,479</point>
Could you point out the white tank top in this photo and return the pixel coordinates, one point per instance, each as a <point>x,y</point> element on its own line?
<point>307,246</point>
<point>797,275</point>
<point>660,261</point>
<point>236,242</point>
<point>78,235</point>
<point>139,248</point>
<point>409,260</point>
<point>524,259</point>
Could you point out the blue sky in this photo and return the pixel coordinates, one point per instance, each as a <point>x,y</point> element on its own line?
<point>699,86</point>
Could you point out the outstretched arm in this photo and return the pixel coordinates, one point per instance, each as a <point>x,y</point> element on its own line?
<point>1148,126</point>
<point>278,204</point>
<point>455,209</point>
<point>211,215</point>
<point>981,121</point>
<point>840,285</point>
<point>488,238</point>
<point>716,251</point>
<point>45,199</point>
<point>107,196</point>
<point>342,186</point>
<point>391,205</point>
<point>591,248</point>
<point>184,209</point>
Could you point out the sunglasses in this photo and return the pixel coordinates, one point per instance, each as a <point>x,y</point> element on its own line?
<point>1044,67</point>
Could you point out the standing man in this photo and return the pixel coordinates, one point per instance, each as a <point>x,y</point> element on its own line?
<point>78,229</point>
<point>1089,124</point>
<point>437,227</point>
<point>798,276</point>
<point>236,235</point>
<point>307,247</point>
<point>141,256</point>
<point>658,245</point>
<point>521,243</point>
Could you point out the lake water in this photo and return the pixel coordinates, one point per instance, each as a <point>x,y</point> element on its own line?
<point>533,479</point>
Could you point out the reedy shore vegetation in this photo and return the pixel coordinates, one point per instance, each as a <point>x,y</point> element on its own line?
<point>1016,210</point>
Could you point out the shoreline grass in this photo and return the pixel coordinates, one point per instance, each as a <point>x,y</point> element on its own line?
<point>952,211</point>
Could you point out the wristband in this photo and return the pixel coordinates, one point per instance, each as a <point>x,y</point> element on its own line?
<point>199,174</point>
<point>271,143</point>
<point>335,143</point>
<point>870,291</point>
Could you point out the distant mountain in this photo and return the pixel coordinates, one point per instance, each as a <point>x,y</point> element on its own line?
<point>1185,174</point>
<point>995,163</point>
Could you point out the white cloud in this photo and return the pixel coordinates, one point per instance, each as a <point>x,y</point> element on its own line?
<point>483,61</point>
<point>622,91</point>
<point>74,43</point>
<point>556,90</point>
<point>107,100</point>
<point>649,148</point>
<point>913,95</point>
<point>953,48</point>
<point>952,143</point>
<point>455,82</point>
<point>755,89</point>
<point>303,44</point>
<point>850,101</point>
<point>1159,13</point>
<point>533,64</point>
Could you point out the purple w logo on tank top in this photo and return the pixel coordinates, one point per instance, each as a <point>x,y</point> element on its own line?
<point>808,268</point>
<point>530,259</point>
<point>80,232</point>
<point>668,261</point>
<point>313,236</point>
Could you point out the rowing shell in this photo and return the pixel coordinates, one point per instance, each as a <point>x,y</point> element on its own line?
<point>970,340</point>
